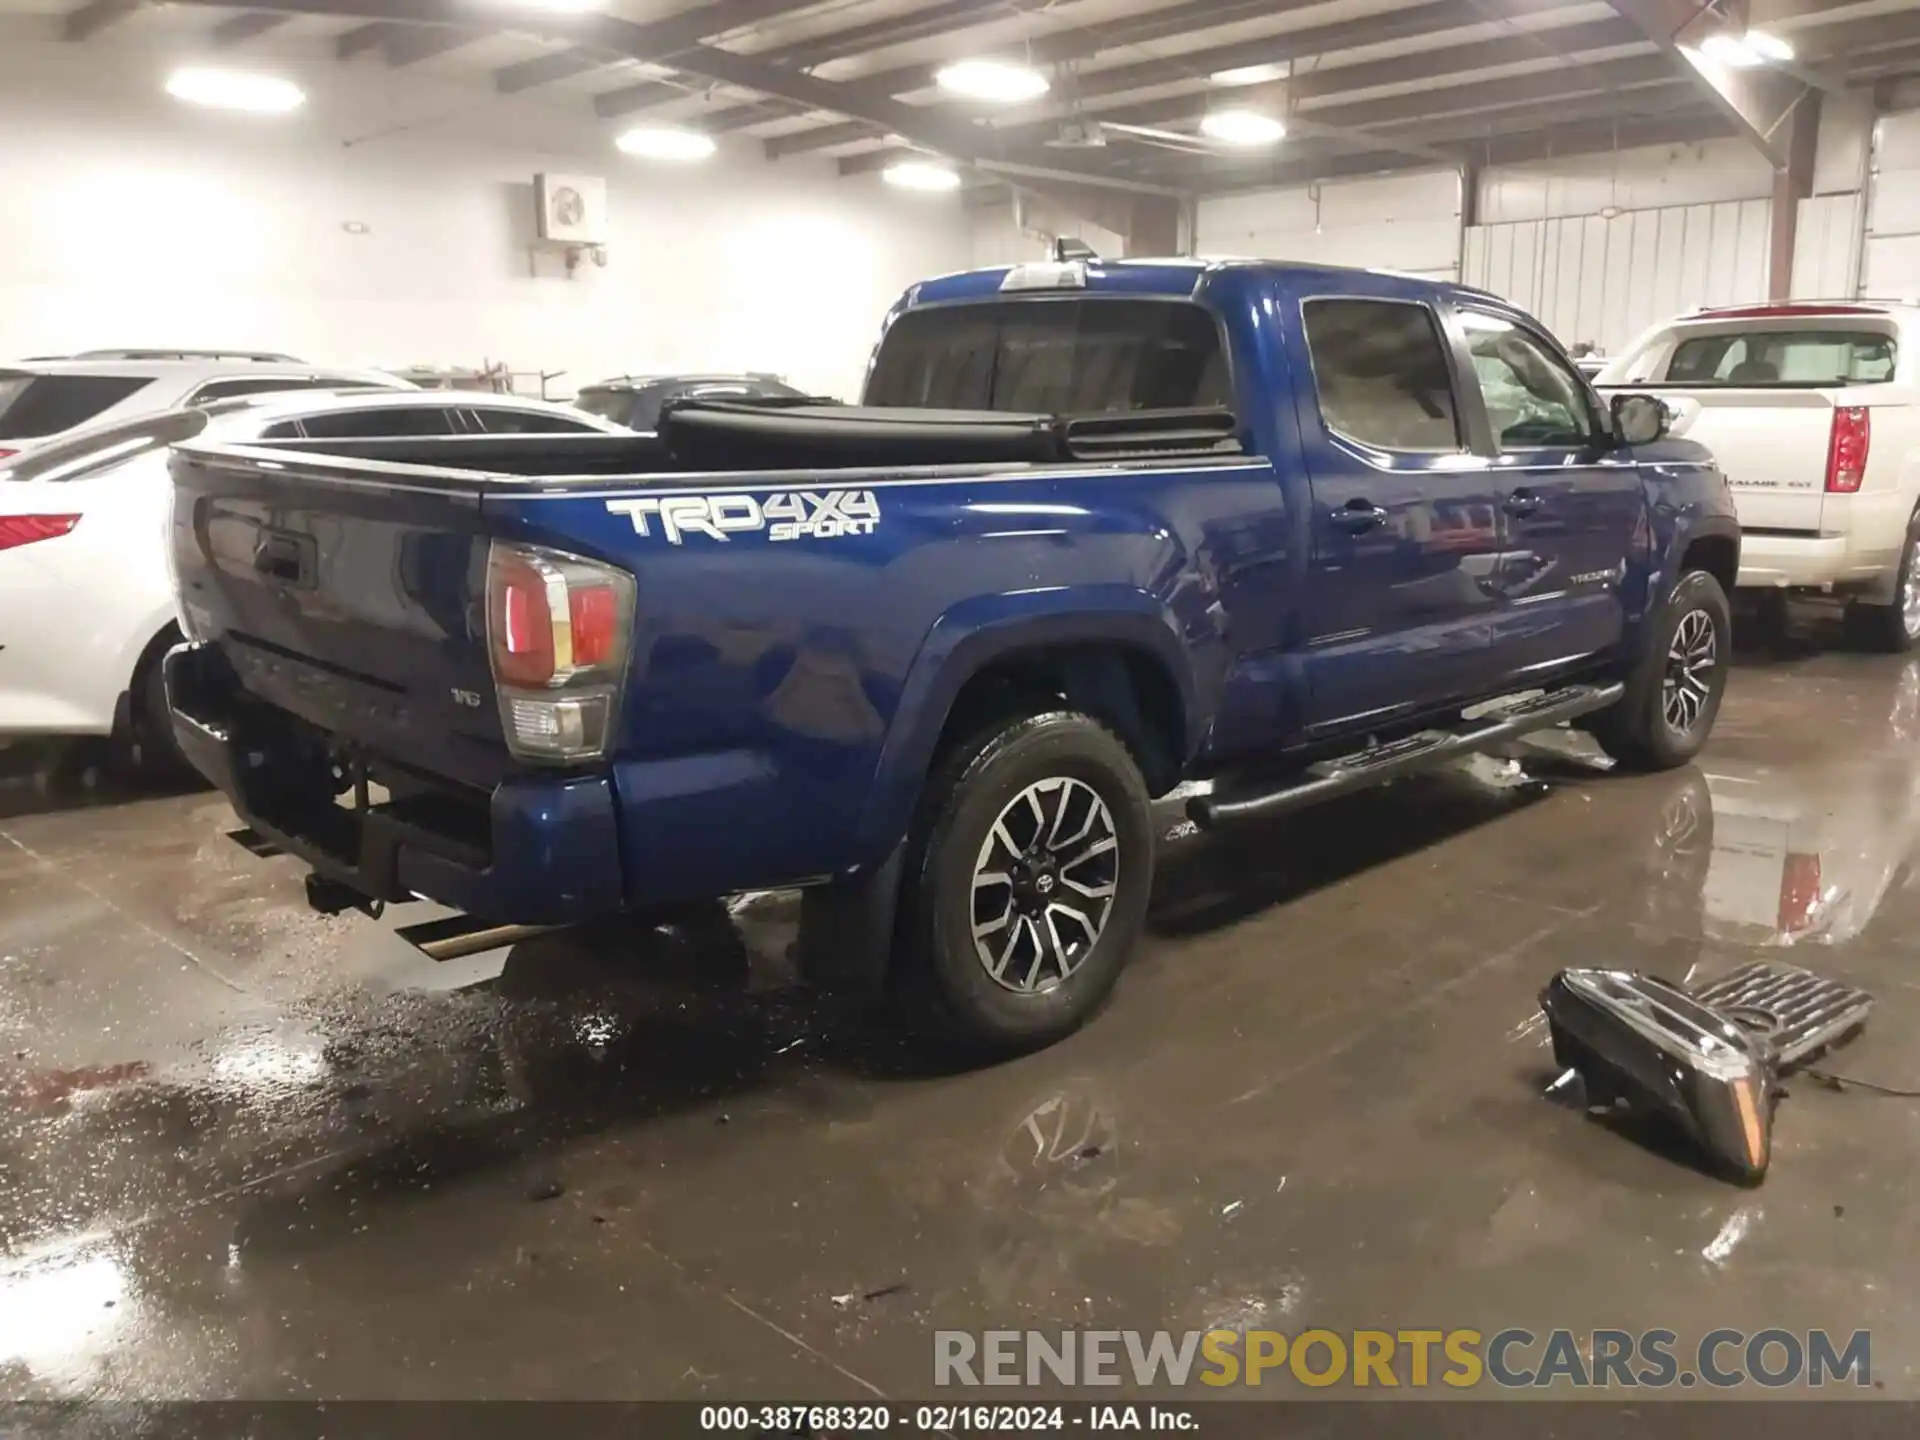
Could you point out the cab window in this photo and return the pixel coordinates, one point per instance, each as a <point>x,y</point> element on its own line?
<point>1534,399</point>
<point>1380,373</point>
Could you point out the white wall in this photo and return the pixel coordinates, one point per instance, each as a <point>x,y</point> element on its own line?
<point>1602,279</point>
<point>1890,260</point>
<point>1601,246</point>
<point>1646,178</point>
<point>1024,229</point>
<point>132,220</point>
<point>1393,222</point>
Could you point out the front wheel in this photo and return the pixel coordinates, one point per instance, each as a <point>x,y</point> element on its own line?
<point>1674,692</point>
<point>1026,883</point>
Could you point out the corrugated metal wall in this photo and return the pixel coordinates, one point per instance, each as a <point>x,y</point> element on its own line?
<point>1890,259</point>
<point>1826,247</point>
<point>1603,280</point>
<point>1399,222</point>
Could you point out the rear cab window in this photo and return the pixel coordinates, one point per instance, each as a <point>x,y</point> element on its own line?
<point>1743,359</point>
<point>1381,374</point>
<point>35,405</point>
<point>1088,354</point>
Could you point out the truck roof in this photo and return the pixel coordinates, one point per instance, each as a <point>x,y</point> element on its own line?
<point>1170,276</point>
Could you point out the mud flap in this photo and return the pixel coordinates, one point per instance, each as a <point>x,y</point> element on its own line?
<point>846,928</point>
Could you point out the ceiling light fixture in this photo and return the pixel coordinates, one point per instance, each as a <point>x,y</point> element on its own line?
<point>560,7</point>
<point>666,142</point>
<point>993,80</point>
<point>1242,127</point>
<point>1769,47</point>
<point>235,90</point>
<point>920,175</point>
<point>1249,75</point>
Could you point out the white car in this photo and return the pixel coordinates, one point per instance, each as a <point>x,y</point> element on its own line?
<point>45,398</point>
<point>86,603</point>
<point>1812,409</point>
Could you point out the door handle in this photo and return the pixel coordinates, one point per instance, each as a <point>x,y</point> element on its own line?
<point>1359,515</point>
<point>1522,502</point>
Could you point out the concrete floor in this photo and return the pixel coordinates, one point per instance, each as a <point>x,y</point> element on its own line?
<point>245,1151</point>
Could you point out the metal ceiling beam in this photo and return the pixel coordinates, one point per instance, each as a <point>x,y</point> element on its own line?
<point>93,17</point>
<point>704,21</point>
<point>1442,69</point>
<point>1313,42</point>
<point>415,43</point>
<point>248,25</point>
<point>1759,101</point>
<point>947,135</point>
<point>545,69</point>
<point>1587,138</point>
<point>361,39</point>
<point>1060,46</point>
<point>1469,114</point>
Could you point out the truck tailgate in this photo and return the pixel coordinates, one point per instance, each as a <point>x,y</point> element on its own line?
<point>1772,445</point>
<point>346,593</point>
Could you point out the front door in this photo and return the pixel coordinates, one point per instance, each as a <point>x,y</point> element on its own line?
<point>1406,528</point>
<point>1569,498</point>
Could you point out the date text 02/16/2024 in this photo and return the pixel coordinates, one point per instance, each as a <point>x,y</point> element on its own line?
<point>798,1420</point>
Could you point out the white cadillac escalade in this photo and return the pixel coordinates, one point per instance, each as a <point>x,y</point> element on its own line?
<point>1813,410</point>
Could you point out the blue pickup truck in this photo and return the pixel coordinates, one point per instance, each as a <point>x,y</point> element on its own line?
<point>1095,529</point>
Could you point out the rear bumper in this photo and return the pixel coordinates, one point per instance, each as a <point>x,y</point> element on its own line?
<point>1810,561</point>
<point>536,851</point>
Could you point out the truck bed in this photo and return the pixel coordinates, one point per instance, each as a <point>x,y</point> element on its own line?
<point>708,438</point>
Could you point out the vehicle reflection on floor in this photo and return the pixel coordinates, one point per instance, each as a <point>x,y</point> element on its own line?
<point>1804,852</point>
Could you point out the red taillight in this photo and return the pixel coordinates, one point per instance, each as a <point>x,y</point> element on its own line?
<point>1847,448</point>
<point>594,613</point>
<point>25,529</point>
<point>519,621</point>
<point>5,453</point>
<point>1799,893</point>
<point>558,631</point>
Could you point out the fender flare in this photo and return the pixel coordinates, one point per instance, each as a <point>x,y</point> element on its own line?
<point>977,632</point>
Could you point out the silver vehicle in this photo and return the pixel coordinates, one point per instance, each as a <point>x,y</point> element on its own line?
<point>47,397</point>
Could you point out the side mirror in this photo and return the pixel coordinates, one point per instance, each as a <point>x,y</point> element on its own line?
<point>1639,419</point>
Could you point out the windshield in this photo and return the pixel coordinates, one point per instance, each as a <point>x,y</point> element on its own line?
<point>100,447</point>
<point>35,405</point>
<point>1748,358</point>
<point>1049,357</point>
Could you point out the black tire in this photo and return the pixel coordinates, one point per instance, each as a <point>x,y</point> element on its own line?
<point>1636,730</point>
<point>151,745</point>
<point>1892,629</point>
<point>1055,974</point>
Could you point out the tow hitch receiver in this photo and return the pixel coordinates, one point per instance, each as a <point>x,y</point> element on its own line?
<point>331,897</point>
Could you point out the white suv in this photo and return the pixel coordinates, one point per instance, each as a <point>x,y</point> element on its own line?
<point>44,398</point>
<point>86,603</point>
<point>1812,408</point>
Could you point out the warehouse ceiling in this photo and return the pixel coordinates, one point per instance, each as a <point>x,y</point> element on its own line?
<point>1362,85</point>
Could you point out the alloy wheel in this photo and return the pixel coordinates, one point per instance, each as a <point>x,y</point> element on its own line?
<point>1691,659</point>
<point>1044,884</point>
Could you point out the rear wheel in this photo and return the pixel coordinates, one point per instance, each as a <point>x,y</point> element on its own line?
<point>1026,883</point>
<point>1893,628</point>
<point>1674,693</point>
<point>150,740</point>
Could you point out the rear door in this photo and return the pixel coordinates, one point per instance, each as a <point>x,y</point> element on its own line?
<point>1569,498</point>
<point>1402,588</point>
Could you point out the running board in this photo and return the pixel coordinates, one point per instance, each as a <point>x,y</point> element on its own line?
<point>1348,773</point>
